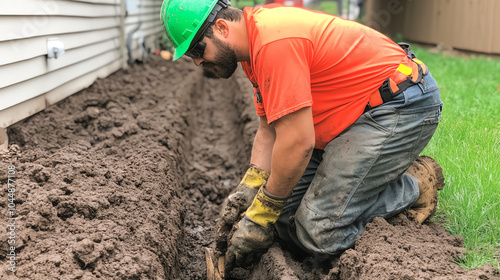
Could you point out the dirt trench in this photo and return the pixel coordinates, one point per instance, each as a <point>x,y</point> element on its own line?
<point>124,180</point>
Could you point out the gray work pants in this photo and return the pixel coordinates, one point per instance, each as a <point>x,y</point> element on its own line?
<point>360,174</point>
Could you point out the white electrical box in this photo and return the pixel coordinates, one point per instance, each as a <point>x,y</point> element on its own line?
<point>55,48</point>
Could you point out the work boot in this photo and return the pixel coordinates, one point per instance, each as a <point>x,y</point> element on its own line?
<point>430,179</point>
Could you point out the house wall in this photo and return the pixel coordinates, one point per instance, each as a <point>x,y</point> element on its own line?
<point>94,33</point>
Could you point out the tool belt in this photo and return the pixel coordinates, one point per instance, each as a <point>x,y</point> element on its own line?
<point>405,76</point>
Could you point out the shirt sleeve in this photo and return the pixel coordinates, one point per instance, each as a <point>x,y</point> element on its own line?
<point>284,77</point>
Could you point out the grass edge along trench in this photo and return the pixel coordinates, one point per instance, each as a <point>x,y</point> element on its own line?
<point>467,145</point>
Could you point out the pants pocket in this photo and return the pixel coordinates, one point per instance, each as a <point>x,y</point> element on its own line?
<point>433,117</point>
<point>383,118</point>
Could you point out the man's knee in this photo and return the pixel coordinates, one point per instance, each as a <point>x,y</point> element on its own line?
<point>324,237</point>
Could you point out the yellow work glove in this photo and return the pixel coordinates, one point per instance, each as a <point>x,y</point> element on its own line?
<point>254,233</point>
<point>238,202</point>
<point>250,184</point>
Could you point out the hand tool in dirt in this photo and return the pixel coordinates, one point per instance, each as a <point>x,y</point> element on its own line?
<point>215,264</point>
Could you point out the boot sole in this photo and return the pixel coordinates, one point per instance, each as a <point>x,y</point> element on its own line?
<point>420,215</point>
<point>438,171</point>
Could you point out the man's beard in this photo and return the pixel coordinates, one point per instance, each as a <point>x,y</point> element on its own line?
<point>225,61</point>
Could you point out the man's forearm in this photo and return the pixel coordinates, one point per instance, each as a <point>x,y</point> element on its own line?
<point>289,162</point>
<point>263,146</point>
<point>288,145</point>
<point>292,151</point>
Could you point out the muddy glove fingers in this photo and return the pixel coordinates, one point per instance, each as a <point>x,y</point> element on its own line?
<point>238,202</point>
<point>254,233</point>
<point>230,216</point>
<point>250,184</point>
<point>248,243</point>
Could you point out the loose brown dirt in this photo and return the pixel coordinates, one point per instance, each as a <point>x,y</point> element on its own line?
<point>125,180</point>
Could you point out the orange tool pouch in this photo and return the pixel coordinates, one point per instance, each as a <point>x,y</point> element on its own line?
<point>406,75</point>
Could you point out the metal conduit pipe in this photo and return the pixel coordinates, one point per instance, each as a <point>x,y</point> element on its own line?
<point>129,43</point>
<point>132,3</point>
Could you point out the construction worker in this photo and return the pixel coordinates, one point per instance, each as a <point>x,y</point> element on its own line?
<point>344,114</point>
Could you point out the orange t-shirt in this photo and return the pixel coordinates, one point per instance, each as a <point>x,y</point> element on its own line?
<point>302,58</point>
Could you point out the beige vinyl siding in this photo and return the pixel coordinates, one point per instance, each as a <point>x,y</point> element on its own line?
<point>461,24</point>
<point>148,14</point>
<point>94,34</point>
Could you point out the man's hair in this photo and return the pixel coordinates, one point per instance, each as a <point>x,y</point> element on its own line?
<point>229,13</point>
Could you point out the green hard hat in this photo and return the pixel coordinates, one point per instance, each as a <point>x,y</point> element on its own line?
<point>183,19</point>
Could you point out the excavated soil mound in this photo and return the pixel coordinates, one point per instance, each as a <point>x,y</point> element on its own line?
<point>395,249</point>
<point>125,180</point>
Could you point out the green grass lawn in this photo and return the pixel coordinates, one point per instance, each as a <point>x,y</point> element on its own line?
<point>467,145</point>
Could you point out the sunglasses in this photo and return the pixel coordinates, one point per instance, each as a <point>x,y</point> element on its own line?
<point>197,47</point>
